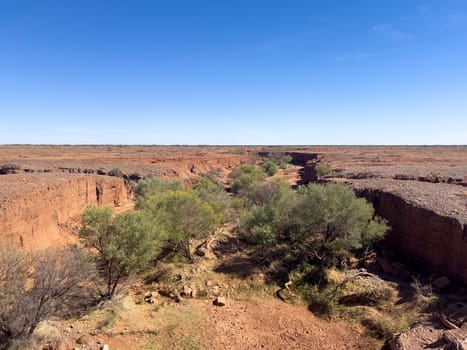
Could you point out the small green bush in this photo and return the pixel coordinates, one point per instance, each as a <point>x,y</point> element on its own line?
<point>245,176</point>
<point>281,159</point>
<point>151,185</point>
<point>269,167</point>
<point>322,169</point>
<point>115,172</point>
<point>182,217</point>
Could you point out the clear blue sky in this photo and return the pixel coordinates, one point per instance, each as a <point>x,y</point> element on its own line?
<point>233,71</point>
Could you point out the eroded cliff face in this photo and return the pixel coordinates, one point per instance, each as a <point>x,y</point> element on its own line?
<point>422,235</point>
<point>46,212</point>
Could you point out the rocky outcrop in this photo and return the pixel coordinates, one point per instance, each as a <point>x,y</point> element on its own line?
<point>424,233</point>
<point>47,208</point>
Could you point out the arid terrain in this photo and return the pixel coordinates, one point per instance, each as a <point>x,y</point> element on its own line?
<point>420,190</point>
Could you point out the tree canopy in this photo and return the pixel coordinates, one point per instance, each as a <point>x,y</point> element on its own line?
<point>182,217</point>
<point>125,244</point>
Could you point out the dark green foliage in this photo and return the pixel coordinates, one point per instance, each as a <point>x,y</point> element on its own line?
<point>324,221</point>
<point>182,217</point>
<point>322,169</point>
<point>333,216</point>
<point>256,226</point>
<point>267,212</point>
<point>269,167</point>
<point>124,244</point>
<point>246,176</point>
<point>214,194</point>
<point>152,185</point>
<point>281,159</point>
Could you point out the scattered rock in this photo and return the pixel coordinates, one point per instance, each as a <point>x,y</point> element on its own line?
<point>48,346</point>
<point>150,297</point>
<point>441,283</point>
<point>220,301</point>
<point>456,339</point>
<point>83,340</point>
<point>430,335</point>
<point>175,297</point>
<point>414,339</point>
<point>186,291</point>
<point>454,346</point>
<point>201,251</point>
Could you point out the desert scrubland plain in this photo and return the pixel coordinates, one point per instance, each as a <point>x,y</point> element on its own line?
<point>420,190</point>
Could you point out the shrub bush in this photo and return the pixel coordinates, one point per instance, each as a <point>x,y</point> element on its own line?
<point>182,217</point>
<point>9,168</point>
<point>322,169</point>
<point>124,244</point>
<point>269,167</point>
<point>281,159</point>
<point>35,287</point>
<point>115,172</point>
<point>151,185</point>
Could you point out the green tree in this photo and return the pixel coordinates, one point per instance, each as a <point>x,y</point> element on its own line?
<point>322,169</point>
<point>269,167</point>
<point>124,244</point>
<point>331,216</point>
<point>280,158</point>
<point>183,217</point>
<point>245,176</point>
<point>214,194</point>
<point>267,218</point>
<point>152,185</point>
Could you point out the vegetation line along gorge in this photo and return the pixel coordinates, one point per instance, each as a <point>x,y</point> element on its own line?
<point>147,247</point>
<point>233,175</point>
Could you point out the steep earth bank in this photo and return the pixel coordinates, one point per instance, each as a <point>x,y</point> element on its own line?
<point>425,204</point>
<point>428,225</point>
<point>41,210</point>
<point>46,188</point>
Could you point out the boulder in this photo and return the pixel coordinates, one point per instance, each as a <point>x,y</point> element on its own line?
<point>186,291</point>
<point>456,339</point>
<point>220,301</point>
<point>441,283</point>
<point>150,297</point>
<point>85,342</point>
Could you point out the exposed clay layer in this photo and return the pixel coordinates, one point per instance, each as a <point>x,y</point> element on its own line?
<point>429,222</point>
<point>41,202</point>
<point>42,209</point>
